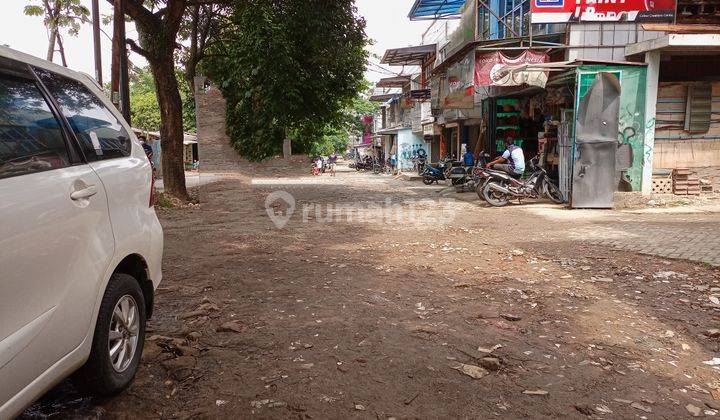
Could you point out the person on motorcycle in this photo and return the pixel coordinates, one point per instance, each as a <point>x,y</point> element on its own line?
<point>511,161</point>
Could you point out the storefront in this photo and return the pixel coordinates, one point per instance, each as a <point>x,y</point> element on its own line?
<point>431,135</point>
<point>543,121</point>
<point>682,131</point>
<point>533,119</point>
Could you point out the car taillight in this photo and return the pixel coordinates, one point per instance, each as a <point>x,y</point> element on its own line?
<point>152,188</point>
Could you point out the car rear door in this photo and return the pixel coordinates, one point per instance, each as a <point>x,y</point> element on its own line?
<point>56,240</point>
<point>108,147</point>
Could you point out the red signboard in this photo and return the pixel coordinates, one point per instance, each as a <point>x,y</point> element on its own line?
<point>561,11</point>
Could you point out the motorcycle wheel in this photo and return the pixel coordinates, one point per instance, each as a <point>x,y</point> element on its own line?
<point>479,190</point>
<point>552,192</point>
<point>427,180</point>
<point>376,169</point>
<point>458,181</point>
<point>494,198</point>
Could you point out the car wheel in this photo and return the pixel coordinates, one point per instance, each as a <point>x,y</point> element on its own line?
<point>118,340</point>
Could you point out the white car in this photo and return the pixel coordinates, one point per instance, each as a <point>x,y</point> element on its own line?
<point>80,243</point>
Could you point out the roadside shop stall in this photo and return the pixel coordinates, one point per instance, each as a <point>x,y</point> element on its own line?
<point>548,109</point>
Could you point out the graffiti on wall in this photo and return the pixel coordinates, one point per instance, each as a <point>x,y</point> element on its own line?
<point>632,127</point>
<point>409,146</point>
<point>649,133</point>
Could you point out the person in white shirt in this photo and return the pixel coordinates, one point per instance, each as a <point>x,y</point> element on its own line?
<point>511,161</point>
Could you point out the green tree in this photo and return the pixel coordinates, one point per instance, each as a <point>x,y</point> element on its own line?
<point>144,108</point>
<point>336,136</point>
<point>288,69</point>
<point>158,23</point>
<point>58,15</point>
<point>201,27</point>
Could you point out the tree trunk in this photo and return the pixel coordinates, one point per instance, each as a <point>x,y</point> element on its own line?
<point>52,14</point>
<point>191,63</point>
<point>51,44</point>
<point>171,129</point>
<point>62,50</point>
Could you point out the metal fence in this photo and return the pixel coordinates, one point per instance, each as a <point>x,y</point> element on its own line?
<point>565,157</point>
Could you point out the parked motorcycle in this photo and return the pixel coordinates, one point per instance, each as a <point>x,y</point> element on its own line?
<point>432,174</point>
<point>457,172</point>
<point>323,164</point>
<point>502,187</point>
<point>465,176</point>
<point>378,166</point>
<point>362,164</point>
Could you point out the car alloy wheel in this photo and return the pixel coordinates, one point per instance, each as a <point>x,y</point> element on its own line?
<point>123,336</point>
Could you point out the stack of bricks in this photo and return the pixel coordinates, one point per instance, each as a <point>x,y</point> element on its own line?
<point>685,182</point>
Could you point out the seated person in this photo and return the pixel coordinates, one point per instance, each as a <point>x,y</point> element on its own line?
<point>468,159</point>
<point>512,160</point>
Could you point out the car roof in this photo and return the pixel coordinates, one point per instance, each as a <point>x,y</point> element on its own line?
<point>47,65</point>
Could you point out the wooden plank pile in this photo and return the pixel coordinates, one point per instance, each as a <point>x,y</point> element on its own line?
<point>685,182</point>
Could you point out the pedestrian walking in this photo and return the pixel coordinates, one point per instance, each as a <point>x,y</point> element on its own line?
<point>332,161</point>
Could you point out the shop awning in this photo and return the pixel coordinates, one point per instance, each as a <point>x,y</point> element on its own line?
<point>385,131</point>
<point>677,43</point>
<point>546,42</point>
<point>390,82</point>
<point>436,9</point>
<point>421,94</point>
<point>189,138</point>
<point>382,97</point>
<point>408,56</point>
<point>526,71</point>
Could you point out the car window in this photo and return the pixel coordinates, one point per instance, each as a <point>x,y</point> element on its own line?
<point>101,135</point>
<point>31,137</point>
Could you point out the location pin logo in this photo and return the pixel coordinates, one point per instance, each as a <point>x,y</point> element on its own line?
<point>280,219</point>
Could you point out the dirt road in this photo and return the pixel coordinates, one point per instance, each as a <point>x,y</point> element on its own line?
<point>466,312</point>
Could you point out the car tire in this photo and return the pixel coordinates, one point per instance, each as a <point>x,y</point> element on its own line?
<point>99,376</point>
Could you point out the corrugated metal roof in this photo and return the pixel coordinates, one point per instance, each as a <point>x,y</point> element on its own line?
<point>435,9</point>
<point>408,55</point>
<point>396,81</point>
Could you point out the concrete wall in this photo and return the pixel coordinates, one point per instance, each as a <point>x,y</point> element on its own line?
<point>216,153</point>
<point>406,141</point>
<point>604,41</point>
<point>686,153</point>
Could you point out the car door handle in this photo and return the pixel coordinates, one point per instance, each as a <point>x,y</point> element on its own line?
<point>86,192</point>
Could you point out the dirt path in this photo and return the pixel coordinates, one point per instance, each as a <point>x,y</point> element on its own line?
<point>373,318</point>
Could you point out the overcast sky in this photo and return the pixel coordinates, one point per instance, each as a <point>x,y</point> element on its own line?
<point>387,25</point>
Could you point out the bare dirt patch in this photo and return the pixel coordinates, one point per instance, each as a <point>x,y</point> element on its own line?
<point>497,313</point>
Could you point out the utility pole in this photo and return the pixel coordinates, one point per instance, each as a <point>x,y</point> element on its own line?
<point>123,78</point>
<point>96,40</point>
